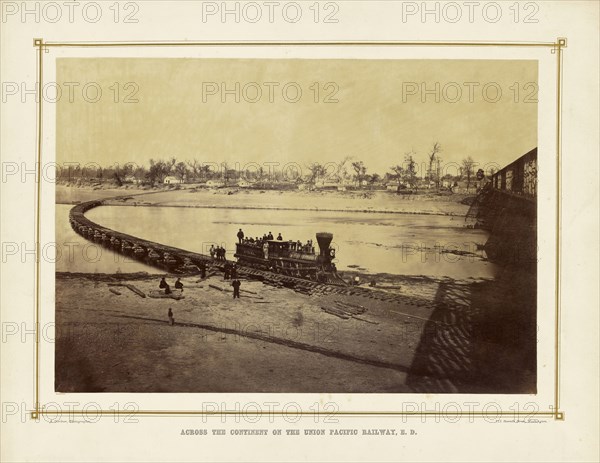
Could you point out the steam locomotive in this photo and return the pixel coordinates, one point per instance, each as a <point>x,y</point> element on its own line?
<point>291,258</point>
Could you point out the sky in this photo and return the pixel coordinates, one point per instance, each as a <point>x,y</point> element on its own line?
<point>369,110</point>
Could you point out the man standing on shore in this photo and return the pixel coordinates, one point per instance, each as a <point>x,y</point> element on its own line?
<point>236,288</point>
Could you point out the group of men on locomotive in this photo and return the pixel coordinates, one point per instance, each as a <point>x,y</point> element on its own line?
<point>258,242</point>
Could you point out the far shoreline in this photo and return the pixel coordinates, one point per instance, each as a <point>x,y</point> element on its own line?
<point>109,202</point>
<point>445,206</point>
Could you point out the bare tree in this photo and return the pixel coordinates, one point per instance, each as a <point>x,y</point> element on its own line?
<point>374,178</point>
<point>342,171</point>
<point>467,170</point>
<point>361,171</point>
<point>158,171</point>
<point>118,173</point>
<point>194,167</point>
<point>140,173</point>
<point>206,171</point>
<point>410,172</point>
<point>398,171</point>
<point>438,171</point>
<point>432,157</point>
<point>181,171</point>
<point>225,173</point>
<point>315,170</point>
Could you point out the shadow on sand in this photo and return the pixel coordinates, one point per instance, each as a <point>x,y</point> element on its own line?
<point>481,338</point>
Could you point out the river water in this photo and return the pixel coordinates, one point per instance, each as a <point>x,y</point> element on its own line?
<point>76,254</point>
<point>401,244</point>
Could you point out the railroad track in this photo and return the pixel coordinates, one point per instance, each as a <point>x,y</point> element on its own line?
<point>180,261</point>
<point>313,288</point>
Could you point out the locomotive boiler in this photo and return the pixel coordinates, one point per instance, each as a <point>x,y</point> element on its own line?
<point>291,258</point>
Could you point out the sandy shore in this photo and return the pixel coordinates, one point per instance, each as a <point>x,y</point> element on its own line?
<point>276,340</point>
<point>351,201</point>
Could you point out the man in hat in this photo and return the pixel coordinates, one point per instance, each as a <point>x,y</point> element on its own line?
<point>236,288</point>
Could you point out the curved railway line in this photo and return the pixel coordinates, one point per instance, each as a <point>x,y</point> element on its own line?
<point>180,261</point>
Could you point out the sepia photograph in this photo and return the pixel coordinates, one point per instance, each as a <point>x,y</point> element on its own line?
<point>296,225</point>
<point>299,231</point>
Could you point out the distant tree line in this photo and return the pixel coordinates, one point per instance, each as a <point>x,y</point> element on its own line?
<point>349,172</point>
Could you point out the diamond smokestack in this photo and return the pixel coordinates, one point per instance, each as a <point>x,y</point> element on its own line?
<point>324,240</point>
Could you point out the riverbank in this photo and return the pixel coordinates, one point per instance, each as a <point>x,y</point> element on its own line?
<point>238,198</point>
<point>111,339</point>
